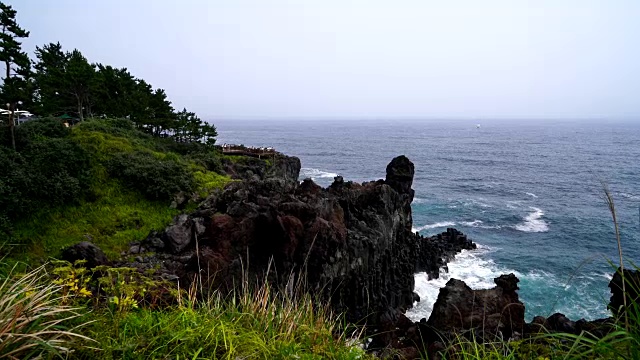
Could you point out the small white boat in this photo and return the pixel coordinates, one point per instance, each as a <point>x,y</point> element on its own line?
<point>478,126</point>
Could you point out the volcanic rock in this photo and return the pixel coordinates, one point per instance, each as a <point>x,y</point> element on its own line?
<point>494,312</point>
<point>85,250</point>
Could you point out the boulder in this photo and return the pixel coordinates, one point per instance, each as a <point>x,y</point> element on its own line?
<point>178,235</point>
<point>85,251</point>
<point>495,312</point>
<point>433,253</point>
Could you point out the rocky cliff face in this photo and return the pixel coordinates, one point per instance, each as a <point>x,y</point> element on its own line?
<point>275,165</point>
<point>352,242</point>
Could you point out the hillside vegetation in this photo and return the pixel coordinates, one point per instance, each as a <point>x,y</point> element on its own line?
<point>102,180</point>
<point>107,182</point>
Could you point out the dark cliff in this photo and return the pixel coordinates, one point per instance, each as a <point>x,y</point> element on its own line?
<point>274,165</point>
<point>352,242</point>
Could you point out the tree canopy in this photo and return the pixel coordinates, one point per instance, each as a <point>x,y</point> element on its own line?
<point>66,82</point>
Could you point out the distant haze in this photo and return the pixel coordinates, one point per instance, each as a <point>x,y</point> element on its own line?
<point>363,59</point>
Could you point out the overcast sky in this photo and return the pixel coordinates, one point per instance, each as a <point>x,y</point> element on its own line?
<point>363,59</point>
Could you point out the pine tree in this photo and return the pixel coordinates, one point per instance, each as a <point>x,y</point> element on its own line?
<point>50,79</point>
<point>78,81</point>
<point>15,87</point>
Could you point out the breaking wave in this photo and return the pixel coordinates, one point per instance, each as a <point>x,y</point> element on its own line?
<point>433,226</point>
<point>315,174</point>
<point>533,222</point>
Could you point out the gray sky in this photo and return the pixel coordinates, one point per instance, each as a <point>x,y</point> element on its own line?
<point>363,59</point>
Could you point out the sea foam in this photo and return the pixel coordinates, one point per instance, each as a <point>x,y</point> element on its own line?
<point>468,266</point>
<point>568,295</point>
<point>433,226</point>
<point>315,174</point>
<point>533,222</point>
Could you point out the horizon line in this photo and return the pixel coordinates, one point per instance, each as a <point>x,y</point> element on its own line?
<point>404,118</point>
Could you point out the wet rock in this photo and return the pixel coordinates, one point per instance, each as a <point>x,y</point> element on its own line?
<point>433,253</point>
<point>632,288</point>
<point>277,165</point>
<point>400,173</point>
<point>560,323</point>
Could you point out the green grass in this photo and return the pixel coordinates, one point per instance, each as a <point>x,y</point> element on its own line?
<point>217,330</point>
<point>51,320</point>
<point>116,218</point>
<point>207,181</point>
<point>255,322</point>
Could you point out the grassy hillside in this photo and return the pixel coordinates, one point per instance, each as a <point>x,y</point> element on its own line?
<point>107,182</point>
<point>123,190</point>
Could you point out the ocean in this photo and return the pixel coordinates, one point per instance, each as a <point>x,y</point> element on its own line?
<point>528,192</point>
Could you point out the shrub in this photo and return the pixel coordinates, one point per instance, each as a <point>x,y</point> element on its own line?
<point>48,173</point>
<point>157,179</point>
<point>59,171</point>
<point>119,127</point>
<point>210,160</point>
<point>36,130</point>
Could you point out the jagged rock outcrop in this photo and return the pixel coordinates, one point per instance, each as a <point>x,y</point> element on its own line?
<point>490,312</point>
<point>632,289</point>
<point>353,242</point>
<point>274,165</point>
<point>433,253</point>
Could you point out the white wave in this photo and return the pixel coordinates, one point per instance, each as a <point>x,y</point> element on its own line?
<point>607,276</point>
<point>417,200</point>
<point>433,226</point>
<point>630,196</point>
<point>476,202</point>
<point>315,174</point>
<point>468,266</point>
<point>474,223</point>
<point>514,204</point>
<point>478,271</point>
<point>533,222</point>
<point>532,195</point>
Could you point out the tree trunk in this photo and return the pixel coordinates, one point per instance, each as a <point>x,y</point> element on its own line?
<point>10,108</point>
<point>11,127</point>
<point>80,112</point>
<point>88,102</point>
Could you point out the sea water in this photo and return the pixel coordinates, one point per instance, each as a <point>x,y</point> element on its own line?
<point>529,193</point>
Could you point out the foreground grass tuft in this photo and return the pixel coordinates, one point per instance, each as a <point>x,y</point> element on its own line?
<point>32,320</point>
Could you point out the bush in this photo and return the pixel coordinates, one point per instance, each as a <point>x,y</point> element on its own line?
<point>36,130</point>
<point>48,173</point>
<point>210,160</point>
<point>121,127</point>
<point>59,171</point>
<point>157,179</point>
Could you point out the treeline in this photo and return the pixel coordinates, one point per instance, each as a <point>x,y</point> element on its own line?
<point>58,81</point>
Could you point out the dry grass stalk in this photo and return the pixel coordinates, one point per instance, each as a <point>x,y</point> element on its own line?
<point>32,317</point>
